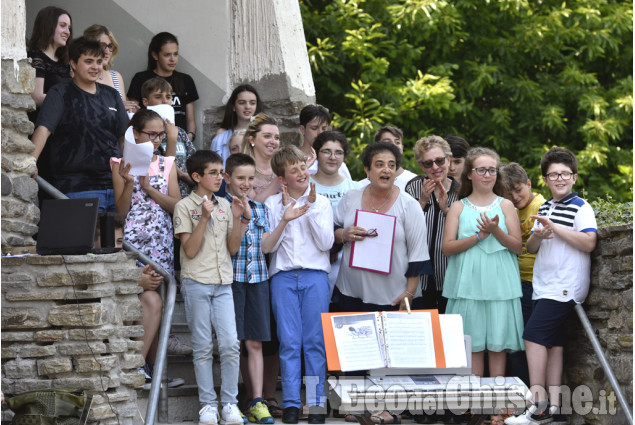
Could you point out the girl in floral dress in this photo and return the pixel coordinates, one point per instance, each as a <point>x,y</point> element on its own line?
<point>148,201</point>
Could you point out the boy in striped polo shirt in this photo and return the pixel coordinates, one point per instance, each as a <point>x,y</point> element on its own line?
<point>563,236</point>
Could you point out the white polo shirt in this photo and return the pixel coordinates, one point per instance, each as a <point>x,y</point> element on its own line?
<point>561,271</point>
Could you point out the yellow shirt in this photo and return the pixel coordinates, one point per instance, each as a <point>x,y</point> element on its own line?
<point>212,264</point>
<point>525,259</point>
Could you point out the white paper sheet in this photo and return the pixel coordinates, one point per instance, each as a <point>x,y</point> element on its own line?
<point>374,253</point>
<point>165,111</point>
<point>453,344</point>
<point>357,341</point>
<point>409,339</point>
<point>139,155</point>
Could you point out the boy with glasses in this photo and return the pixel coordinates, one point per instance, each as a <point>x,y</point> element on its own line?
<point>564,234</point>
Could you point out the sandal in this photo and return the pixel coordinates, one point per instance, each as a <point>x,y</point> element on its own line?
<point>498,419</point>
<point>350,418</point>
<point>382,421</point>
<point>274,408</point>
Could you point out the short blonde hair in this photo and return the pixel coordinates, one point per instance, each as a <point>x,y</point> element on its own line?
<point>424,144</point>
<point>289,154</point>
<point>94,31</point>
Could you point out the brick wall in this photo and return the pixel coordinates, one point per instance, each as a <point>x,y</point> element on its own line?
<point>48,343</point>
<point>609,307</point>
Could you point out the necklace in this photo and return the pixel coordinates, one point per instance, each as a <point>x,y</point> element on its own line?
<point>376,209</point>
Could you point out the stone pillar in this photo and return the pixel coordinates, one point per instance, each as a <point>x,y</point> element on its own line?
<point>268,51</point>
<point>66,323</point>
<point>19,191</point>
<point>609,307</point>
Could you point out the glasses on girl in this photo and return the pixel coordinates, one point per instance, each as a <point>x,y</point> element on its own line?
<point>328,152</point>
<point>428,164</point>
<point>153,134</point>
<point>481,171</point>
<point>109,46</point>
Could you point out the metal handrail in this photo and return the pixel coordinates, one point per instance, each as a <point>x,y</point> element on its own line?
<point>158,396</point>
<point>586,324</point>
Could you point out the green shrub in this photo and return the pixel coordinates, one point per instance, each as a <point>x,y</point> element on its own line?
<point>611,213</point>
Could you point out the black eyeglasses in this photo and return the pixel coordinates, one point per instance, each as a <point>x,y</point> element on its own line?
<point>153,134</point>
<point>555,176</point>
<point>428,164</point>
<point>105,46</point>
<point>481,171</point>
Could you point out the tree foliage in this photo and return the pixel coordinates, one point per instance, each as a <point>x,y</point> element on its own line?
<point>516,75</point>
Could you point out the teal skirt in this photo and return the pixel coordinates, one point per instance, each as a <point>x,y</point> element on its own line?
<point>493,325</point>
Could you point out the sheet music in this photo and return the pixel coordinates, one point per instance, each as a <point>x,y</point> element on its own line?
<point>453,344</point>
<point>165,111</point>
<point>139,155</point>
<point>357,341</point>
<point>374,253</point>
<point>409,339</point>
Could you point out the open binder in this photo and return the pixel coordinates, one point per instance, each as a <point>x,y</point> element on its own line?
<point>398,340</point>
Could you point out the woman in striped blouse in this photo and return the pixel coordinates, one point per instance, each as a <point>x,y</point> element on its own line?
<point>435,192</point>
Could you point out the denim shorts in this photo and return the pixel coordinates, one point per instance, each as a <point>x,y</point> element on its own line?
<point>546,326</point>
<point>252,307</point>
<point>106,198</point>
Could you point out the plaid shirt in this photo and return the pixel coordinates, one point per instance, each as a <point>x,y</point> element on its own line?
<point>249,262</point>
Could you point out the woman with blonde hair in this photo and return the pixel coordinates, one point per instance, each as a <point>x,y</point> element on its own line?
<point>109,76</point>
<point>262,140</point>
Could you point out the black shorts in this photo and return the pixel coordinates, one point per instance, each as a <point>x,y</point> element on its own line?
<point>546,324</point>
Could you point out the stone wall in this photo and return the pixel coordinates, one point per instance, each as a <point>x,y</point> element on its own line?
<point>64,325</point>
<point>609,307</point>
<point>19,191</point>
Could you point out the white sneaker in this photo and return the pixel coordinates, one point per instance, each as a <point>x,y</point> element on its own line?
<point>529,417</point>
<point>231,415</point>
<point>208,415</point>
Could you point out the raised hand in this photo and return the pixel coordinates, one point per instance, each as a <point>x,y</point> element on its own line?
<point>310,160</point>
<point>312,194</point>
<point>246,207</point>
<point>443,197</point>
<point>292,213</point>
<point>427,187</point>
<point>285,196</point>
<point>238,207</point>
<point>208,207</point>
<point>124,172</point>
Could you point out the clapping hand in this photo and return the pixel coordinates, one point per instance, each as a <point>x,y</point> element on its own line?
<point>312,194</point>
<point>487,225</point>
<point>208,208</point>
<point>427,187</point>
<point>546,231</point>
<point>443,197</point>
<point>292,213</point>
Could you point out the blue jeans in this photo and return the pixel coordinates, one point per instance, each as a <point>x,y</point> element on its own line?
<point>297,298</point>
<point>207,305</point>
<point>106,198</point>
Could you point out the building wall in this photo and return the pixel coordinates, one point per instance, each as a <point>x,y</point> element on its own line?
<point>221,44</point>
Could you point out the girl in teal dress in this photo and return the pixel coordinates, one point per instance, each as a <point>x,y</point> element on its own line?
<point>482,282</point>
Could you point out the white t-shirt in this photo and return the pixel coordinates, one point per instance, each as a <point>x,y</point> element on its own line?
<point>343,170</point>
<point>561,271</point>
